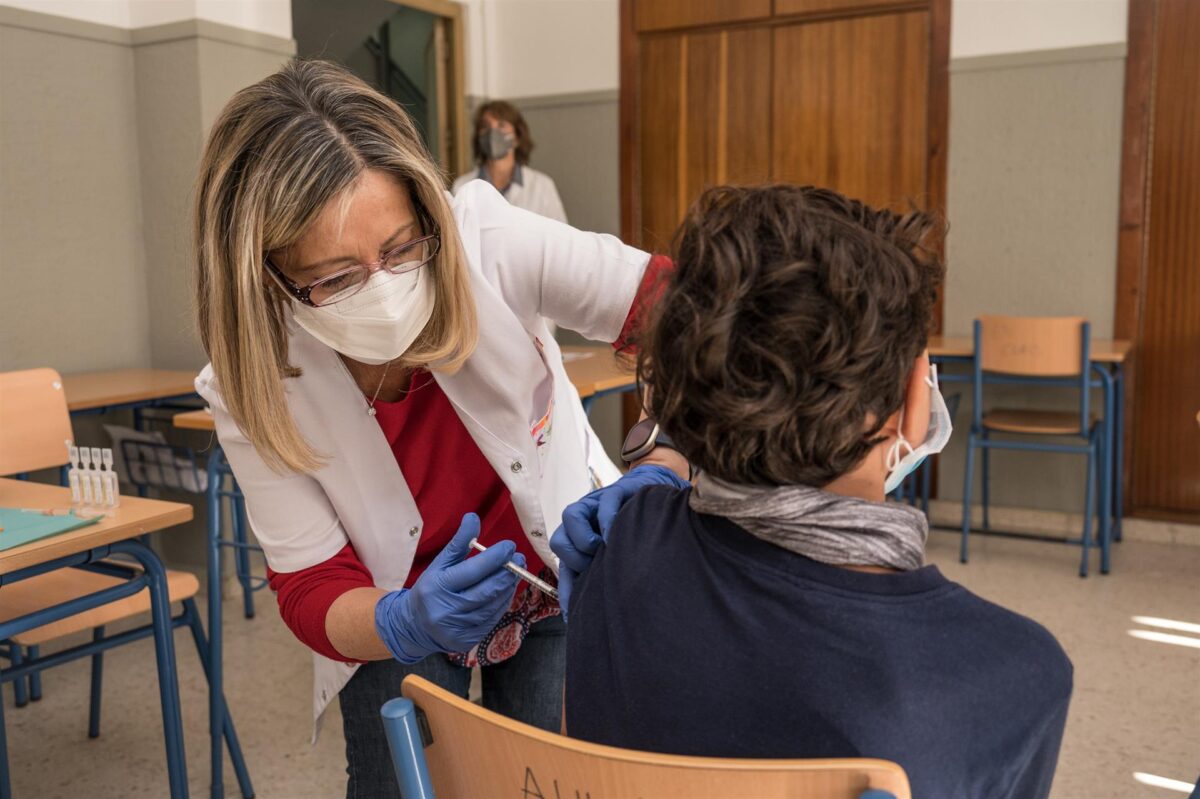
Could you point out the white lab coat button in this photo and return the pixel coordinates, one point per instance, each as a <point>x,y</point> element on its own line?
<point>414,530</point>
<point>516,467</point>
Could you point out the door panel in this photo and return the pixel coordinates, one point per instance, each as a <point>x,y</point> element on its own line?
<point>705,107</point>
<point>659,107</point>
<point>850,106</point>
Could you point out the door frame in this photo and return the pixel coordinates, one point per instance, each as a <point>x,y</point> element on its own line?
<point>1133,219</point>
<point>451,15</point>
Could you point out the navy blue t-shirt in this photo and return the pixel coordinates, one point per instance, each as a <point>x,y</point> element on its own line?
<point>690,636</point>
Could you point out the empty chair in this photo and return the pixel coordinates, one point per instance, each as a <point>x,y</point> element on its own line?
<point>1036,351</point>
<point>445,746</point>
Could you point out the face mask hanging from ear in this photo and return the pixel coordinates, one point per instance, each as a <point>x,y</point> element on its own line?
<point>935,441</point>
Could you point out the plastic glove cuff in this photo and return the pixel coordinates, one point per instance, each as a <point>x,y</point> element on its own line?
<point>393,624</point>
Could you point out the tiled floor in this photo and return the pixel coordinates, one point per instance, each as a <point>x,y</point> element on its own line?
<point>1136,706</point>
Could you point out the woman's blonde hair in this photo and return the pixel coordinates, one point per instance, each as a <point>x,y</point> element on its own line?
<point>280,151</point>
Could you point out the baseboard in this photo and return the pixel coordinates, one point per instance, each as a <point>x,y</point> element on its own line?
<point>948,515</point>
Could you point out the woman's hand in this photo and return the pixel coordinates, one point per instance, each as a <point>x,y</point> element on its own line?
<point>454,603</point>
<point>586,523</point>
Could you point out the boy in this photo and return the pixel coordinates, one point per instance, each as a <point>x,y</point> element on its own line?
<point>780,608</point>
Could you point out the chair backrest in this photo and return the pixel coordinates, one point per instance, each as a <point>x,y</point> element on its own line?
<point>1053,350</point>
<point>470,751</point>
<point>153,464</point>
<point>1033,346</point>
<point>34,421</point>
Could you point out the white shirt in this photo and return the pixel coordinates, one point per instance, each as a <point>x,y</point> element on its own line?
<point>524,268</point>
<point>532,190</point>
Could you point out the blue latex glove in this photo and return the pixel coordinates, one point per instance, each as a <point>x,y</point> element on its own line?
<point>586,523</point>
<point>454,603</point>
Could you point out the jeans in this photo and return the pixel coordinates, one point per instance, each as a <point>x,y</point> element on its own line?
<point>527,687</point>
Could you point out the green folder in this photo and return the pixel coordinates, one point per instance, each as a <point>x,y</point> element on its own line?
<point>22,526</point>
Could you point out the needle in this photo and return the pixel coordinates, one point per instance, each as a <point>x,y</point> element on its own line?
<point>524,574</point>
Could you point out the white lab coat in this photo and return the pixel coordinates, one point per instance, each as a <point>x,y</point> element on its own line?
<point>536,192</point>
<point>523,268</point>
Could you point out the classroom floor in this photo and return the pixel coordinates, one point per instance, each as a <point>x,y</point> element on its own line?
<point>1135,707</point>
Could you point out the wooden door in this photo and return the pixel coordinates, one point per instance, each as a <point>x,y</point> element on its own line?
<point>1159,273</point>
<point>850,109</point>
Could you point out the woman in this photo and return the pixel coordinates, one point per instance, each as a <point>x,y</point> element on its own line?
<point>384,389</point>
<point>501,146</point>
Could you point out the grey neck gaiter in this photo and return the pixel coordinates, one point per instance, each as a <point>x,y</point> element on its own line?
<point>829,528</point>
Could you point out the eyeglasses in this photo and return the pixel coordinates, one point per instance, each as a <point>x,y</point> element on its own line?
<point>347,282</point>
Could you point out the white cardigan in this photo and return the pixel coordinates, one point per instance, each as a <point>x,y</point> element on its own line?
<point>523,268</point>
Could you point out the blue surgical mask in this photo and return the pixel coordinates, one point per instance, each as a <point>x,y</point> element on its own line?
<point>901,466</point>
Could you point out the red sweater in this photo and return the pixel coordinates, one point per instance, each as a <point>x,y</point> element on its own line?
<point>424,421</point>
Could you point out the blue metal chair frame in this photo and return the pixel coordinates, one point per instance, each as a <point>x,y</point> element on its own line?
<point>217,491</point>
<point>218,469</point>
<point>408,735</point>
<point>189,617</point>
<point>152,576</point>
<point>1097,438</point>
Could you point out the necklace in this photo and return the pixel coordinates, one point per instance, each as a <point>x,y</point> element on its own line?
<point>378,388</point>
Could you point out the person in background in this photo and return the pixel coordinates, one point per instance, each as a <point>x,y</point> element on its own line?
<point>780,608</point>
<point>501,146</point>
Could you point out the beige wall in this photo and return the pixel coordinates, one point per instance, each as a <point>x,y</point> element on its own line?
<point>1035,153</point>
<point>72,264</point>
<point>186,72</point>
<point>101,130</point>
<point>100,134</point>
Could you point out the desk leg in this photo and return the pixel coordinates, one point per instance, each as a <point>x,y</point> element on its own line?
<point>164,652</point>
<point>5,787</point>
<point>1118,508</point>
<point>216,687</point>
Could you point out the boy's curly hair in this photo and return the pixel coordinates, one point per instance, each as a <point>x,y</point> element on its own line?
<point>784,337</point>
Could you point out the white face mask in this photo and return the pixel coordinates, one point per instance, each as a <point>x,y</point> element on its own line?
<point>935,440</point>
<point>377,323</point>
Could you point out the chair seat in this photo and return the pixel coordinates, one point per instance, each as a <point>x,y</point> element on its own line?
<point>1049,423</point>
<point>60,585</point>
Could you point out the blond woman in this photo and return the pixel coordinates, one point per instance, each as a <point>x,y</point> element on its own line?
<point>385,390</point>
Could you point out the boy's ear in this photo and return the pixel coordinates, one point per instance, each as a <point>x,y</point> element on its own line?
<point>916,401</point>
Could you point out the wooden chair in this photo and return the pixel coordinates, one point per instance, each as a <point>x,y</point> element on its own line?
<point>446,746</point>
<point>35,427</point>
<point>1047,351</point>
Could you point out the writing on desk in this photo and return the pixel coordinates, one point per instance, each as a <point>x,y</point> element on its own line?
<point>533,789</point>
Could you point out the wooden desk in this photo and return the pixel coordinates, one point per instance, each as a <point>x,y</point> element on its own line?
<point>134,517</point>
<point>596,369</point>
<point>90,390</point>
<point>87,545</point>
<point>195,420</point>
<point>591,369</point>
<point>1102,350</point>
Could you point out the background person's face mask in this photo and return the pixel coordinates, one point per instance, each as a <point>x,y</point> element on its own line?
<point>378,322</point>
<point>935,439</point>
<point>495,143</point>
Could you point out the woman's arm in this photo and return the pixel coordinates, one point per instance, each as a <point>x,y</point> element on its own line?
<point>350,625</point>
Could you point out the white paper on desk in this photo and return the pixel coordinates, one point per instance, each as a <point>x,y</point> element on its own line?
<point>575,356</point>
